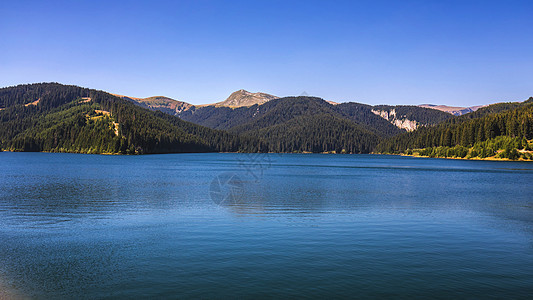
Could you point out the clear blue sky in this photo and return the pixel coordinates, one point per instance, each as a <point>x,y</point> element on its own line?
<point>395,52</point>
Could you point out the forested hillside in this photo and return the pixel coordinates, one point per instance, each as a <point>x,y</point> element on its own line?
<point>218,117</point>
<point>60,118</point>
<point>279,111</point>
<point>362,114</point>
<point>496,130</point>
<point>55,117</point>
<point>317,133</point>
<point>422,115</point>
<point>309,124</point>
<point>283,109</point>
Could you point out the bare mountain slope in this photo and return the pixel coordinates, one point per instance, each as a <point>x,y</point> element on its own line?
<point>456,111</point>
<point>161,103</point>
<point>244,98</point>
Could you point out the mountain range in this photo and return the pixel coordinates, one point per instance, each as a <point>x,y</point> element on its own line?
<point>228,113</point>
<point>60,118</point>
<point>243,98</point>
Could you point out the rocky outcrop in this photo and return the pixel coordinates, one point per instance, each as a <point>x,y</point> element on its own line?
<point>399,121</point>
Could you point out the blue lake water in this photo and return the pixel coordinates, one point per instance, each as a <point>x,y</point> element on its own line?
<point>264,226</point>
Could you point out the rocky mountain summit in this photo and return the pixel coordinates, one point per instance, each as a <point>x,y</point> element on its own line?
<point>244,98</point>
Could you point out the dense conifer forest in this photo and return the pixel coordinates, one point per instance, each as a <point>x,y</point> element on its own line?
<point>61,118</point>
<point>503,130</point>
<point>284,109</point>
<point>58,118</point>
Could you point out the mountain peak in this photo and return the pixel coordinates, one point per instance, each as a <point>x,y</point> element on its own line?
<point>245,98</point>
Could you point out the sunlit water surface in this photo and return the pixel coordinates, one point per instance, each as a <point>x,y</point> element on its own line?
<point>268,226</point>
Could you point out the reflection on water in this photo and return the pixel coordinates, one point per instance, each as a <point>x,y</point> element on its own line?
<point>212,225</point>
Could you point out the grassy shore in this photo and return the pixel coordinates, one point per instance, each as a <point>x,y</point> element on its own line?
<point>492,158</point>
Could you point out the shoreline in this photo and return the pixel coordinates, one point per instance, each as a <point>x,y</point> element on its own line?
<point>402,154</point>
<point>463,158</point>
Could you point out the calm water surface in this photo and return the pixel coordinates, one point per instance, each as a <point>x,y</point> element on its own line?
<point>263,226</point>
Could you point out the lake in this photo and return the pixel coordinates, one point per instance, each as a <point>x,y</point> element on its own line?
<point>252,226</point>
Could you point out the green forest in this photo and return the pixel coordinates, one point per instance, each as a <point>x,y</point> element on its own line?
<point>58,118</point>
<point>503,130</point>
<point>53,117</point>
<point>74,119</point>
<point>502,147</point>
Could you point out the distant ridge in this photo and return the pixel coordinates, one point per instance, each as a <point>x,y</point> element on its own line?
<point>161,103</point>
<point>240,98</point>
<point>456,111</point>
